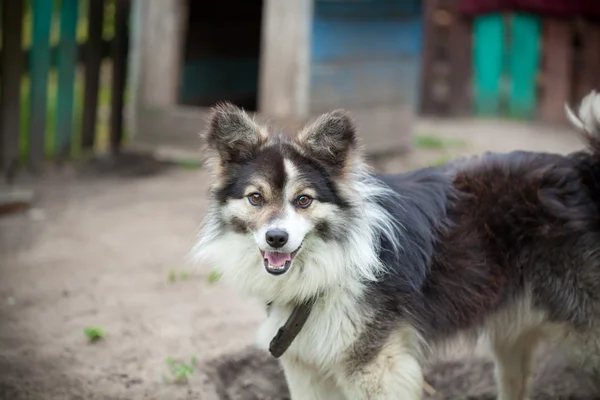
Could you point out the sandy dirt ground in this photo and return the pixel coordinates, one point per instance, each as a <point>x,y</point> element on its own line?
<point>109,249</point>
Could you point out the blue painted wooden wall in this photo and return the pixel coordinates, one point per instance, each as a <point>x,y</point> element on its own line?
<point>365,53</point>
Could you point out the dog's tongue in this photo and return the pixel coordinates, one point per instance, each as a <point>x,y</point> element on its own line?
<point>277,259</point>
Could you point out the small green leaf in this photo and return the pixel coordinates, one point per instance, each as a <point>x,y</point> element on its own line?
<point>213,277</point>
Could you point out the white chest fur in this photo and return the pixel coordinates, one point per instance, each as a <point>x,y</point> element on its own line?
<point>333,325</point>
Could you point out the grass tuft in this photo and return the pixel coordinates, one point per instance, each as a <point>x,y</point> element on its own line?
<point>179,371</point>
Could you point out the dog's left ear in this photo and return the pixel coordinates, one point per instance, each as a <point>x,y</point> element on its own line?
<point>232,134</point>
<point>331,139</point>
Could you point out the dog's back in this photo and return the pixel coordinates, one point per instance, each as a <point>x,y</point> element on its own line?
<point>517,256</point>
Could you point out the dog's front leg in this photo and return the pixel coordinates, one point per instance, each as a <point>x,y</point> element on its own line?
<point>305,383</point>
<point>395,373</point>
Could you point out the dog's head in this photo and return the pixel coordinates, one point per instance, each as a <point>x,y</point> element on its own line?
<point>289,216</point>
<point>280,191</point>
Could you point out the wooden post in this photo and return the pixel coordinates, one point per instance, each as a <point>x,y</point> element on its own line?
<point>11,67</point>
<point>161,42</point>
<point>285,59</point>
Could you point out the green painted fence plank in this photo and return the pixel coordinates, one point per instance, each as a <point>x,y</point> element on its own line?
<point>67,59</point>
<point>487,63</point>
<point>39,69</point>
<point>524,64</point>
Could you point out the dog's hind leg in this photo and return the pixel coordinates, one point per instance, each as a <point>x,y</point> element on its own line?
<point>514,364</point>
<point>583,350</point>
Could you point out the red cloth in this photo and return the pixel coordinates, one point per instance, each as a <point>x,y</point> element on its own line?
<point>558,8</point>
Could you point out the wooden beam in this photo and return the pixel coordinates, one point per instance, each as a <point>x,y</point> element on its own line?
<point>285,59</point>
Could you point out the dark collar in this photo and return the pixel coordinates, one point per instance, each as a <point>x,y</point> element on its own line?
<point>288,332</point>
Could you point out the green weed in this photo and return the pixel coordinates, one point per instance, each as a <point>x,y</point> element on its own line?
<point>93,333</point>
<point>179,371</point>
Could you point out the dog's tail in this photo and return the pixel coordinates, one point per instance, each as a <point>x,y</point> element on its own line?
<point>587,120</point>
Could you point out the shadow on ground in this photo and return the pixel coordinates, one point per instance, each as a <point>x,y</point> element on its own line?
<point>254,375</point>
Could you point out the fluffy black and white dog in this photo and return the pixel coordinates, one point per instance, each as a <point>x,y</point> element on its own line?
<point>363,273</point>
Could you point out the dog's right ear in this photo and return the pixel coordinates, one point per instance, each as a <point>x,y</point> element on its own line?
<point>232,134</point>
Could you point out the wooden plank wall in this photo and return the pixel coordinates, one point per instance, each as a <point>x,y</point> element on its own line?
<point>366,57</point>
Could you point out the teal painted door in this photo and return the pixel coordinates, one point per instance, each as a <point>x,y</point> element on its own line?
<point>506,53</point>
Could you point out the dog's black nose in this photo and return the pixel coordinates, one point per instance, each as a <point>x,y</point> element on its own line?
<point>277,238</point>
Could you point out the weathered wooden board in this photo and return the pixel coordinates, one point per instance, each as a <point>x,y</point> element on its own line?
<point>557,56</point>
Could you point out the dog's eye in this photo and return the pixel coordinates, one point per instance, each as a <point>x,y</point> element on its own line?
<point>303,201</point>
<point>256,199</point>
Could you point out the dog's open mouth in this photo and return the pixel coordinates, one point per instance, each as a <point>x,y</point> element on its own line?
<point>277,263</point>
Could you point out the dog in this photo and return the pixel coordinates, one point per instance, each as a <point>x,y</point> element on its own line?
<point>363,274</point>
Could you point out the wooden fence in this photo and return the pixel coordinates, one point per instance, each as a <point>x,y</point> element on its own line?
<point>511,65</point>
<point>55,56</point>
